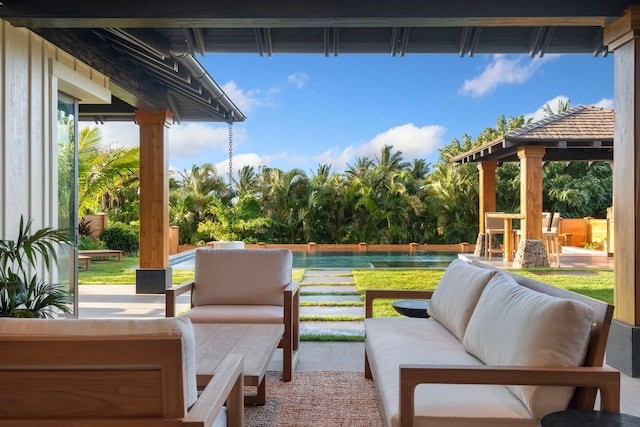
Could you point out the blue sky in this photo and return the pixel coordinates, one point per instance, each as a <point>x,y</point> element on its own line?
<point>305,110</point>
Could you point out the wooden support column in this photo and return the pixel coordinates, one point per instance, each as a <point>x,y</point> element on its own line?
<point>623,37</point>
<point>531,252</point>
<point>531,190</point>
<point>487,169</point>
<point>154,274</point>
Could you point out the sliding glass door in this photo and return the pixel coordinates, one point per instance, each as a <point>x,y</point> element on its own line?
<point>67,131</point>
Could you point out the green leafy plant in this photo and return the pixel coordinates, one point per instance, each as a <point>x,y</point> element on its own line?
<point>595,245</point>
<point>87,243</point>
<point>22,293</point>
<point>120,236</point>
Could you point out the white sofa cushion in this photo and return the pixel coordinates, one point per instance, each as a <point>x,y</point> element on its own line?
<point>456,295</point>
<point>115,327</point>
<point>241,276</point>
<point>394,341</point>
<point>514,325</point>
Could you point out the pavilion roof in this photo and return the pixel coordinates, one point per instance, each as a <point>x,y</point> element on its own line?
<point>583,133</point>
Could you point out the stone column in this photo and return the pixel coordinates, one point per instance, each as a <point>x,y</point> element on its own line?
<point>154,274</point>
<point>622,37</point>
<point>531,252</point>
<point>487,181</point>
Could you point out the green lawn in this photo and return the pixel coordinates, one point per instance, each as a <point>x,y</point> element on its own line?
<point>596,284</point>
<point>123,273</point>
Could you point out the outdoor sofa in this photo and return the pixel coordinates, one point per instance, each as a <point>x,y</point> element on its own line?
<point>495,352</point>
<point>111,372</point>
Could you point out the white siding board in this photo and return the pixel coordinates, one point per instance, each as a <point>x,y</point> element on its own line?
<point>28,109</point>
<point>16,135</point>
<point>3,154</point>
<point>37,78</point>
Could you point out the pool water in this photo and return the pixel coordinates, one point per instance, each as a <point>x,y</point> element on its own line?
<point>354,259</point>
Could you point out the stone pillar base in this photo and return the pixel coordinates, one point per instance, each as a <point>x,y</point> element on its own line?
<point>479,249</point>
<point>482,241</point>
<point>531,254</point>
<point>623,348</point>
<point>153,280</point>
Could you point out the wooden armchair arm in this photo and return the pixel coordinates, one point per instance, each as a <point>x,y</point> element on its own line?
<point>605,379</point>
<point>226,386</point>
<point>373,294</point>
<point>293,287</point>
<point>171,295</point>
<point>291,302</point>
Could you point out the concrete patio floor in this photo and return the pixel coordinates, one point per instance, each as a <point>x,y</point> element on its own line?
<point>121,301</point>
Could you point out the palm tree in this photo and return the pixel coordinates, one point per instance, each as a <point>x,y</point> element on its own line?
<point>191,201</point>
<point>248,181</point>
<point>561,107</point>
<point>390,161</point>
<point>102,171</point>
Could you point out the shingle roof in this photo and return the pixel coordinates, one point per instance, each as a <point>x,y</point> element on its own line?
<point>580,133</point>
<point>585,123</point>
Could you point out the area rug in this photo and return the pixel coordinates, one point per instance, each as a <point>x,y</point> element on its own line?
<point>330,399</point>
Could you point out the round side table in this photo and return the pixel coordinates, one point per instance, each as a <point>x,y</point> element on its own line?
<point>412,307</point>
<point>589,419</point>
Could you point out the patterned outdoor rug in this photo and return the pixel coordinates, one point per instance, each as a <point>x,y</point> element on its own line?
<point>321,399</point>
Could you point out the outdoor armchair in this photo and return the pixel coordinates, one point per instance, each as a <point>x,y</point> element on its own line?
<point>245,286</point>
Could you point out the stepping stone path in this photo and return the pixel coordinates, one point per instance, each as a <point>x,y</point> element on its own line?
<point>328,286</point>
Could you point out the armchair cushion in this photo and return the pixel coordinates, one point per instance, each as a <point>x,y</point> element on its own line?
<point>456,295</point>
<point>236,314</point>
<point>115,327</point>
<point>514,325</point>
<point>241,276</point>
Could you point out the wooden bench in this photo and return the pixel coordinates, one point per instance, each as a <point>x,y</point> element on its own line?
<point>86,260</point>
<point>101,253</point>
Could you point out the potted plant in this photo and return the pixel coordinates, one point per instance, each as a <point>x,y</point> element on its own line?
<point>23,293</point>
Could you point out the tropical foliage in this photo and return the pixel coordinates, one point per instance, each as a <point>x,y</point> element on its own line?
<point>104,174</point>
<point>22,292</point>
<point>384,199</point>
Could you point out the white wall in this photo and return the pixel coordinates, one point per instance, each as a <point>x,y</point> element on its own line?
<point>31,73</point>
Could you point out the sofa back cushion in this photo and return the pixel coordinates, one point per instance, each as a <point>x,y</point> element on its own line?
<point>241,276</point>
<point>65,328</point>
<point>456,295</point>
<point>514,325</point>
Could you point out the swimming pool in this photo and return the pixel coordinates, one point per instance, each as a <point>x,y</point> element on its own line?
<point>351,259</point>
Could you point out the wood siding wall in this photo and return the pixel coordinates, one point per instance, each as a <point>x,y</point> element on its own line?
<point>31,73</point>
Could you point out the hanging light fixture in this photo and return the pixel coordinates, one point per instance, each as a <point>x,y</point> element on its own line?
<point>230,185</point>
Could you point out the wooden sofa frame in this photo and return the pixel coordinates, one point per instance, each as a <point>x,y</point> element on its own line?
<point>290,341</point>
<point>109,381</point>
<point>588,379</point>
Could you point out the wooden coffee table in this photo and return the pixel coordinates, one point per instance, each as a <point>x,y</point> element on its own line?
<point>257,343</point>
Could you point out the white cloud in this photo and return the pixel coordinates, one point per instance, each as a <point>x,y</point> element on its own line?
<point>186,140</point>
<point>412,141</point>
<point>245,100</point>
<point>503,70</point>
<point>298,79</point>
<point>605,103</point>
<point>239,161</point>
<point>117,134</point>
<point>192,138</point>
<point>539,114</point>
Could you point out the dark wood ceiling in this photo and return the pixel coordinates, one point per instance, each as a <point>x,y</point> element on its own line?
<point>136,43</point>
